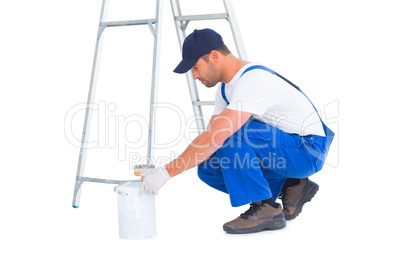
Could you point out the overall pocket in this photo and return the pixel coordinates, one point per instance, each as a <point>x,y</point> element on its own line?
<point>318,149</point>
<point>258,135</point>
<point>300,162</point>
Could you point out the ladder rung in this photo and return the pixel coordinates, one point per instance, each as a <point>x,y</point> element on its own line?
<point>199,103</point>
<point>217,16</point>
<point>127,22</point>
<point>103,180</point>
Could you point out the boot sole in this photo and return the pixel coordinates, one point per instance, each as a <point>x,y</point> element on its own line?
<point>308,195</point>
<point>275,224</point>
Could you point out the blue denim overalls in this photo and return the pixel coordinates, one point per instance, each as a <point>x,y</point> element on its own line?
<point>254,162</point>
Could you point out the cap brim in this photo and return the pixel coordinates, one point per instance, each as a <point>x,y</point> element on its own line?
<point>184,66</point>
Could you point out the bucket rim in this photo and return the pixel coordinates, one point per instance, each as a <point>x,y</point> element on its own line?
<point>128,187</point>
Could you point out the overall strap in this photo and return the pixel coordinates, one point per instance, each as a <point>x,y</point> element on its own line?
<point>223,93</point>
<point>283,78</point>
<point>248,69</point>
<point>260,67</point>
<point>328,132</point>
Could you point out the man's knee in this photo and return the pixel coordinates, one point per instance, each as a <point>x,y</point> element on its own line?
<point>201,171</point>
<point>209,166</point>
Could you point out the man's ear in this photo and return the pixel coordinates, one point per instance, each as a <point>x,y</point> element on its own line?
<point>214,56</point>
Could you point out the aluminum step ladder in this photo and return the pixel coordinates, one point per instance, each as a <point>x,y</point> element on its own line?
<point>181,23</point>
<point>155,29</point>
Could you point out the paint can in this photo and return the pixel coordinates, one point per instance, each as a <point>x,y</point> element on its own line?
<point>136,213</point>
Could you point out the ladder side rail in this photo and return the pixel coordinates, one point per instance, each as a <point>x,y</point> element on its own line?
<point>199,119</point>
<point>154,86</point>
<point>88,113</point>
<point>179,25</point>
<point>235,29</point>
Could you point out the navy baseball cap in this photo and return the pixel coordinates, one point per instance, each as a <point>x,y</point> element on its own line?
<point>197,44</point>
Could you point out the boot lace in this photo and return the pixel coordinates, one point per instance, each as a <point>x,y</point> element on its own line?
<point>254,207</point>
<point>283,195</point>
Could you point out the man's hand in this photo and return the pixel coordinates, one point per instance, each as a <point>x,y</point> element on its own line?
<point>154,180</point>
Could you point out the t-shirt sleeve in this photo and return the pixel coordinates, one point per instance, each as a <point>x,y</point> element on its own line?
<point>255,93</point>
<point>220,103</point>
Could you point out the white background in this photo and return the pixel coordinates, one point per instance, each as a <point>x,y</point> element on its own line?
<point>345,55</point>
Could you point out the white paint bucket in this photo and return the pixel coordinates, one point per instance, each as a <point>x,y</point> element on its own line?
<point>136,213</point>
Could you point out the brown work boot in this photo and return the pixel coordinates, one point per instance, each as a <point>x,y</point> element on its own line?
<point>294,197</point>
<point>260,216</point>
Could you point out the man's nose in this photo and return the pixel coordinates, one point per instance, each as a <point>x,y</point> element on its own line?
<point>195,75</point>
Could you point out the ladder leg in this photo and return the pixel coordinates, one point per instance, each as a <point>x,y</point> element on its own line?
<point>181,23</point>
<point>155,73</point>
<point>155,27</point>
<point>199,118</point>
<point>235,29</point>
<point>181,34</point>
<point>88,114</point>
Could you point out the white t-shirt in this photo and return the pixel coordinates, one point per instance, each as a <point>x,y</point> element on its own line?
<point>271,100</point>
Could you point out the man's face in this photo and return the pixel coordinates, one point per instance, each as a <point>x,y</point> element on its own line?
<point>206,72</point>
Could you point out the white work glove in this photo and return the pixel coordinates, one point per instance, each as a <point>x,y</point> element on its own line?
<point>154,180</point>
